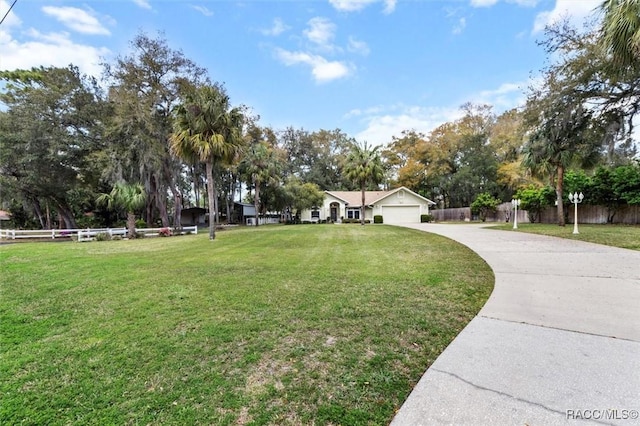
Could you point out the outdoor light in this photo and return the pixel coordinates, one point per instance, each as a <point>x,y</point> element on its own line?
<point>515,203</point>
<point>576,199</point>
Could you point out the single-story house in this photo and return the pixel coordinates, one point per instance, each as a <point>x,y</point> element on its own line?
<point>400,205</point>
<point>244,213</point>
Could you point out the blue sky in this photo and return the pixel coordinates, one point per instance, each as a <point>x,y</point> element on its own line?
<point>369,67</point>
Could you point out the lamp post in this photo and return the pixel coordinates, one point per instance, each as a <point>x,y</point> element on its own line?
<point>515,203</point>
<point>576,199</point>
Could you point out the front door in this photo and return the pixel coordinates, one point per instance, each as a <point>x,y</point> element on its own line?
<point>334,213</point>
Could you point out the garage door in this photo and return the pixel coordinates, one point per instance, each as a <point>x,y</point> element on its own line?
<point>401,214</point>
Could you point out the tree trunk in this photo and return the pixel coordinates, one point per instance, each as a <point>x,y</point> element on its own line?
<point>161,204</point>
<point>67,215</point>
<point>362,206</point>
<point>256,200</point>
<point>211,199</point>
<point>131,225</point>
<point>177,203</point>
<point>38,210</point>
<point>46,206</point>
<point>560,201</point>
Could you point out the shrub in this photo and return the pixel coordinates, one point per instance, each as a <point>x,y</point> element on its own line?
<point>139,235</point>
<point>141,223</point>
<point>426,218</point>
<point>367,221</point>
<point>164,232</point>
<point>484,204</point>
<point>377,219</point>
<point>306,222</point>
<point>103,236</point>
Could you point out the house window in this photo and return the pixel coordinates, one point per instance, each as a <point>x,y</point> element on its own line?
<point>400,194</point>
<point>353,213</point>
<point>315,214</point>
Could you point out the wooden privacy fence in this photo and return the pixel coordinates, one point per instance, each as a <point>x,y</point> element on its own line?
<point>504,211</point>
<point>628,215</point>
<point>87,234</point>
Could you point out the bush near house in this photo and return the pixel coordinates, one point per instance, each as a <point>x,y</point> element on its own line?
<point>377,219</point>
<point>426,218</point>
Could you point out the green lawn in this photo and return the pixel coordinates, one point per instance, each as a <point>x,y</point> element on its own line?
<point>309,324</point>
<point>625,236</point>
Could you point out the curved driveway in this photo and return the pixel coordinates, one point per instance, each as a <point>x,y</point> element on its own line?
<point>558,341</point>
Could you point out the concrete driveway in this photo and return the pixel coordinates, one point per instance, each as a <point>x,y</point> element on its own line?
<point>558,341</point>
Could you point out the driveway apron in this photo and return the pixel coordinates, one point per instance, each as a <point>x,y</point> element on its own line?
<point>558,341</point>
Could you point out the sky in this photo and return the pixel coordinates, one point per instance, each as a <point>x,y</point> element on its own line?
<point>371,68</point>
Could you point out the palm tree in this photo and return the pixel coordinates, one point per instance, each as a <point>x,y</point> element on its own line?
<point>207,130</point>
<point>129,197</point>
<point>261,165</point>
<point>363,166</point>
<point>620,31</point>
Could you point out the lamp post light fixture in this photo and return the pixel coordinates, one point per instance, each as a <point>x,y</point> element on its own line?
<point>515,203</point>
<point>576,199</point>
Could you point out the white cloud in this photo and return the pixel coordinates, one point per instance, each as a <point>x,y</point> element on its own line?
<point>143,4</point>
<point>460,26</point>
<point>52,49</point>
<point>12,19</point>
<point>389,6</point>
<point>276,29</point>
<point>505,97</point>
<point>575,11</point>
<point>77,19</point>
<point>489,3</point>
<point>526,3</point>
<point>357,46</point>
<point>321,31</point>
<point>202,9</point>
<point>357,5</point>
<point>483,3</point>
<point>383,123</point>
<point>322,70</point>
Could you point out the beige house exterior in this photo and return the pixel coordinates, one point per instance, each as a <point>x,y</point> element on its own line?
<point>400,205</point>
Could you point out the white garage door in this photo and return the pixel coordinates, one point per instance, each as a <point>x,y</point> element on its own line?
<point>401,214</point>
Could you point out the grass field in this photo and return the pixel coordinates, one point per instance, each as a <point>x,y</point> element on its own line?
<point>624,236</point>
<point>315,324</point>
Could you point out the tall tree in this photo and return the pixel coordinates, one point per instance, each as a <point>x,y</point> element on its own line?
<point>208,130</point>
<point>144,87</point>
<point>261,165</point>
<point>51,126</point>
<point>363,166</point>
<point>560,134</point>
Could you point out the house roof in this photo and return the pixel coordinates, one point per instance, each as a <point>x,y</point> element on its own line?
<point>354,198</point>
<point>408,190</point>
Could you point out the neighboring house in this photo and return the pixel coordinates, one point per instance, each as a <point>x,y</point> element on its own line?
<point>193,216</point>
<point>245,213</point>
<point>400,205</point>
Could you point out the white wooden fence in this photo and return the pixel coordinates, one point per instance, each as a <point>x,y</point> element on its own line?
<point>87,234</point>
